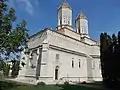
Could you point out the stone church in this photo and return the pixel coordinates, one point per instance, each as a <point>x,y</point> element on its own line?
<point>65,54</point>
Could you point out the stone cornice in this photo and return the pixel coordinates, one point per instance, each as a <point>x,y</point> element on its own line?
<point>67,50</point>
<point>95,56</point>
<point>64,25</point>
<point>40,46</point>
<point>61,34</point>
<point>90,39</point>
<point>70,30</point>
<point>78,33</point>
<point>37,33</point>
<point>72,38</point>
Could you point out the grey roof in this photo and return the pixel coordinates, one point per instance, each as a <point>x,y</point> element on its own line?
<point>81,16</point>
<point>65,5</point>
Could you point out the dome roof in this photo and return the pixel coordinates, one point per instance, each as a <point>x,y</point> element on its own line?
<point>65,5</point>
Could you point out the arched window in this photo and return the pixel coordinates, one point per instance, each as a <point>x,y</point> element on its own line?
<point>60,21</point>
<point>56,72</point>
<point>68,21</point>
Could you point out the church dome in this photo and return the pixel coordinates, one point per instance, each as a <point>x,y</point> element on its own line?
<point>65,5</point>
<point>81,16</point>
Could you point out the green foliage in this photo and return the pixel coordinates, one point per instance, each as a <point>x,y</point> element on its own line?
<point>15,68</point>
<point>6,69</point>
<point>110,59</point>
<point>66,83</point>
<point>12,39</point>
<point>1,65</point>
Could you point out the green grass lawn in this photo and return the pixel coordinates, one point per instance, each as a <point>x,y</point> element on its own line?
<point>8,85</point>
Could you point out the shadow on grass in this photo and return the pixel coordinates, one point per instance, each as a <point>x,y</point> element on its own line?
<point>7,85</point>
<point>10,85</point>
<point>77,87</point>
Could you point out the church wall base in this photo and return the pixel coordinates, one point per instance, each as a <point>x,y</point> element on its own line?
<point>50,80</point>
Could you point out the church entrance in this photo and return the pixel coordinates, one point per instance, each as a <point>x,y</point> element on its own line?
<point>56,73</point>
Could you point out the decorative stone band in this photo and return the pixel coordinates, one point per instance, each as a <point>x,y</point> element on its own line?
<point>81,77</point>
<point>31,76</point>
<point>45,77</point>
<point>71,51</point>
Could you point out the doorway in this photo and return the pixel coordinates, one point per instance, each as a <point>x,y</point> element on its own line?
<point>56,74</point>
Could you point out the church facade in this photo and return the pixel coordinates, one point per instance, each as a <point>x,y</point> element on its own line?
<point>62,55</point>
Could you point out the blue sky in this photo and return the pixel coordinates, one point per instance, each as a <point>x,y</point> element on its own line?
<point>103,15</point>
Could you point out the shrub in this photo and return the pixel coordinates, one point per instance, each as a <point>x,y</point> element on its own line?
<point>66,83</point>
<point>41,84</point>
<point>84,82</point>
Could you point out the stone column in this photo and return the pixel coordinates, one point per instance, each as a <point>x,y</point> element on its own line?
<point>44,60</point>
<point>38,62</point>
<point>89,68</point>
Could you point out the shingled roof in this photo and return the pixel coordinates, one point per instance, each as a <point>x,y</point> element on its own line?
<point>81,16</point>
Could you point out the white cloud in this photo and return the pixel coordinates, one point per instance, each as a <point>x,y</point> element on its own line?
<point>36,2</point>
<point>27,5</point>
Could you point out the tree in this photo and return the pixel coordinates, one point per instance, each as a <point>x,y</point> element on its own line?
<point>1,65</point>
<point>6,69</point>
<point>103,51</point>
<point>12,39</point>
<point>110,59</point>
<point>15,68</point>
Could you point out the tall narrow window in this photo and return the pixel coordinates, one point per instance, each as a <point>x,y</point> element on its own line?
<point>64,21</point>
<point>68,22</point>
<point>57,57</point>
<point>79,63</point>
<point>93,64</point>
<point>82,30</point>
<point>60,22</point>
<point>72,62</point>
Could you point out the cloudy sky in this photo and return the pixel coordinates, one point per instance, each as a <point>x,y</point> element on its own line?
<point>103,15</point>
